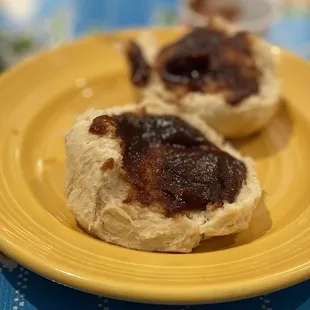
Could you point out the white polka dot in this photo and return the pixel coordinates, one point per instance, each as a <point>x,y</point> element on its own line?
<point>26,272</point>
<point>19,283</point>
<point>21,303</point>
<point>87,92</point>
<point>106,308</point>
<point>20,276</point>
<point>22,295</point>
<point>15,307</point>
<point>24,286</point>
<point>99,305</point>
<point>17,291</point>
<point>80,82</point>
<point>106,301</point>
<point>16,299</point>
<point>21,268</point>
<point>25,279</point>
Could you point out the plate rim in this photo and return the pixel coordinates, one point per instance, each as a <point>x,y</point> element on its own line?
<point>152,296</point>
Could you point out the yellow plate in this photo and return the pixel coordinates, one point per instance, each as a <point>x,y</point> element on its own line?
<point>38,103</point>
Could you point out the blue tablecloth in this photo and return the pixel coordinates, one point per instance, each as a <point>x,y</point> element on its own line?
<point>67,19</point>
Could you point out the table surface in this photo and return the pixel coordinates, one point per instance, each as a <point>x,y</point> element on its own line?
<point>21,288</point>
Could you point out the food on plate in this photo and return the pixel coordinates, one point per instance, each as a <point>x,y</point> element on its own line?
<point>208,8</point>
<point>156,180</point>
<point>225,76</point>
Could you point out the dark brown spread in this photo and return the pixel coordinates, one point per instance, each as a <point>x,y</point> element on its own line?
<point>139,68</point>
<point>170,163</point>
<point>107,165</point>
<point>101,125</point>
<point>206,60</point>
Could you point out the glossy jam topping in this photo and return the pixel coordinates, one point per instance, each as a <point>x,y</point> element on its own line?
<point>101,125</point>
<point>107,165</point>
<point>206,60</point>
<point>168,162</point>
<point>140,70</point>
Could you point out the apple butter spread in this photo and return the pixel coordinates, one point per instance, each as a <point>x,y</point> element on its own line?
<point>169,162</point>
<point>101,125</point>
<point>206,60</point>
<point>139,68</point>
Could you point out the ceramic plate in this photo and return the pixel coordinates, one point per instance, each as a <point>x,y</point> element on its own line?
<point>39,101</point>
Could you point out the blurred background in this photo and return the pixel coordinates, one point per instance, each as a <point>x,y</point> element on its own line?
<point>28,26</point>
